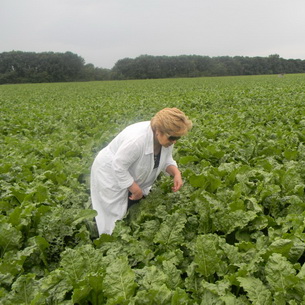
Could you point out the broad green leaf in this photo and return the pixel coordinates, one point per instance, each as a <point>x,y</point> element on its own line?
<point>207,254</point>
<point>159,295</point>
<point>138,252</point>
<point>54,287</point>
<point>207,297</point>
<point>96,295</point>
<point>74,265</point>
<point>82,262</point>
<point>220,291</point>
<point>227,221</point>
<point>200,181</point>
<point>220,288</point>
<point>282,246</point>
<point>176,257</point>
<point>91,291</point>
<point>24,290</point>
<point>119,284</point>
<point>12,263</point>
<point>81,294</point>
<point>80,215</point>
<point>42,245</point>
<point>173,275</point>
<point>10,237</point>
<point>257,292</point>
<point>170,232</point>
<point>151,277</point>
<point>301,273</point>
<point>280,273</point>
<point>149,229</point>
<point>22,216</point>
<point>180,297</point>
<point>187,159</point>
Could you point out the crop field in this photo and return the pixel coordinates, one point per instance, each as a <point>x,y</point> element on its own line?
<point>234,234</point>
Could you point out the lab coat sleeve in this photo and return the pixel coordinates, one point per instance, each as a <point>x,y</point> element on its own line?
<point>127,154</point>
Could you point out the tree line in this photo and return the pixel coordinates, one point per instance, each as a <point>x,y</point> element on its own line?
<point>31,67</point>
<point>147,66</point>
<point>47,67</point>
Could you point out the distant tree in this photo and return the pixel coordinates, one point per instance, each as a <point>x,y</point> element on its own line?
<point>124,68</point>
<point>88,72</point>
<point>19,67</point>
<point>102,74</point>
<point>275,64</point>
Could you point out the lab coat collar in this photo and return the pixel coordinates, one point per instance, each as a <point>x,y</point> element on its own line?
<point>149,141</point>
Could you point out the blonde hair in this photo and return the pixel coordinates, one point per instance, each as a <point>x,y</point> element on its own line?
<point>172,122</point>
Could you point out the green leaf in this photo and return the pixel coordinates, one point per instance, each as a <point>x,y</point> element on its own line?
<point>42,245</point>
<point>227,221</point>
<point>187,159</point>
<point>41,193</point>
<point>80,215</point>
<point>149,229</point>
<point>24,290</point>
<point>82,262</point>
<point>81,294</point>
<point>90,292</point>
<point>54,287</point>
<point>173,275</point>
<point>207,181</point>
<point>280,273</point>
<point>282,246</point>
<point>291,154</point>
<point>175,257</point>
<point>10,237</point>
<point>257,292</point>
<point>301,273</point>
<point>96,295</point>
<point>199,181</point>
<point>151,277</point>
<point>74,266</point>
<point>207,297</point>
<point>207,254</point>
<point>21,216</point>
<point>170,232</point>
<point>159,295</point>
<point>119,284</point>
<point>180,297</point>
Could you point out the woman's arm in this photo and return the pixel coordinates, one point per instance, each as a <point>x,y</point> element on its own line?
<point>136,192</point>
<point>175,172</point>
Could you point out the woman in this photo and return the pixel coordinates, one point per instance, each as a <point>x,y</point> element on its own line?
<point>124,171</point>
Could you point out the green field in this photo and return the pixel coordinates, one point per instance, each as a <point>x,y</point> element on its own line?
<point>235,233</point>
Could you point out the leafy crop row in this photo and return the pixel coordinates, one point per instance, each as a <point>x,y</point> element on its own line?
<point>233,235</point>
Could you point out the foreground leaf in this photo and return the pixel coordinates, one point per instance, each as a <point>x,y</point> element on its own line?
<point>119,284</point>
<point>207,254</point>
<point>280,273</point>
<point>256,290</point>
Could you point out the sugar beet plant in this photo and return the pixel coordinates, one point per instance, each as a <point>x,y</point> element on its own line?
<point>233,235</point>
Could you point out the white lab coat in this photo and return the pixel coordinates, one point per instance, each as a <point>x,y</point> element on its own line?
<point>128,157</point>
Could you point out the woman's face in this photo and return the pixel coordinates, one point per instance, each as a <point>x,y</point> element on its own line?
<point>166,140</point>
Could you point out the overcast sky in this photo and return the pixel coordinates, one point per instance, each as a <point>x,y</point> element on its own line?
<point>104,31</point>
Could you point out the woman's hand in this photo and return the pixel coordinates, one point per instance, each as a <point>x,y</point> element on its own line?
<point>177,182</point>
<point>136,192</point>
<point>174,171</point>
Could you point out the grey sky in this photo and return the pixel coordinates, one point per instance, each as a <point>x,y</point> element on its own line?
<point>104,31</point>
